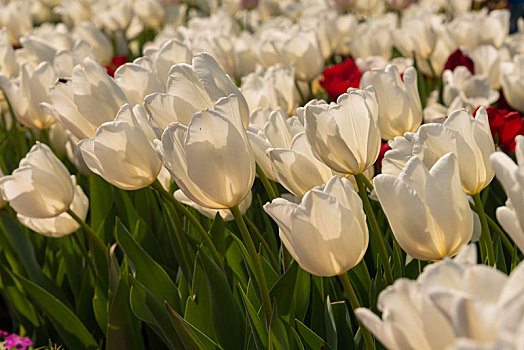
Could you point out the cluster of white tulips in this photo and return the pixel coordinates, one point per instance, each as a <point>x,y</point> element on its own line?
<point>382,137</point>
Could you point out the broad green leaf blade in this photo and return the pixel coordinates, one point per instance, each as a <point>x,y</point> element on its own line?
<point>158,315</point>
<point>186,335</point>
<point>146,270</point>
<point>73,332</point>
<point>282,290</point>
<point>227,317</point>
<point>310,337</point>
<point>257,322</point>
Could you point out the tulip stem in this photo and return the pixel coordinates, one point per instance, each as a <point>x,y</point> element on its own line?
<point>375,230</point>
<point>85,254</point>
<point>91,234</point>
<point>494,227</point>
<point>267,185</point>
<point>302,97</point>
<point>254,228</point>
<point>183,210</point>
<point>485,236</point>
<point>353,300</point>
<point>259,273</point>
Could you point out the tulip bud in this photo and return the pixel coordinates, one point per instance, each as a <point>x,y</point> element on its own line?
<point>428,211</point>
<point>326,233</point>
<point>122,151</point>
<point>511,176</point>
<point>210,159</point>
<point>345,135</point>
<point>511,79</point>
<point>40,187</point>
<point>62,224</point>
<point>399,107</point>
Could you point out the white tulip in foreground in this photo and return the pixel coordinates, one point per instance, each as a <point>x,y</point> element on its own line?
<point>326,233</point>
<point>210,159</point>
<point>428,211</point>
<point>345,136</point>
<point>454,304</point>
<point>511,175</point>
<point>468,138</point>
<point>41,186</point>
<point>399,107</point>
<point>122,151</point>
<point>62,224</point>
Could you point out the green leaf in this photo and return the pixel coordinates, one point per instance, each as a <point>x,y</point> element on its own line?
<point>310,338</point>
<point>277,340</point>
<point>26,254</point>
<point>331,326</point>
<point>256,321</point>
<point>302,293</point>
<point>188,338</point>
<point>281,289</point>
<point>218,234</point>
<point>146,270</point>
<point>123,328</point>
<point>157,315</point>
<point>72,330</point>
<point>100,200</point>
<point>343,325</point>
<point>227,317</point>
<point>198,304</point>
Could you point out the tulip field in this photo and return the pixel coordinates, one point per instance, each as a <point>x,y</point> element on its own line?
<point>261,174</point>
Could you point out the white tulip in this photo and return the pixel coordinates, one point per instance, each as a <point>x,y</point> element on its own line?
<point>84,102</point>
<point>40,187</point>
<point>428,211</point>
<point>326,233</point>
<point>346,135</point>
<point>62,224</point>
<point>210,159</point>
<point>468,138</point>
<point>122,151</point>
<point>137,80</point>
<point>398,100</point>
<point>277,132</point>
<point>416,35</point>
<point>274,88</point>
<point>454,304</point>
<point>473,90</point>
<point>26,94</point>
<point>191,89</point>
<point>511,176</point>
<point>512,81</point>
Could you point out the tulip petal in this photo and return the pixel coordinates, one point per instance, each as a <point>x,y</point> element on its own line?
<point>230,175</point>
